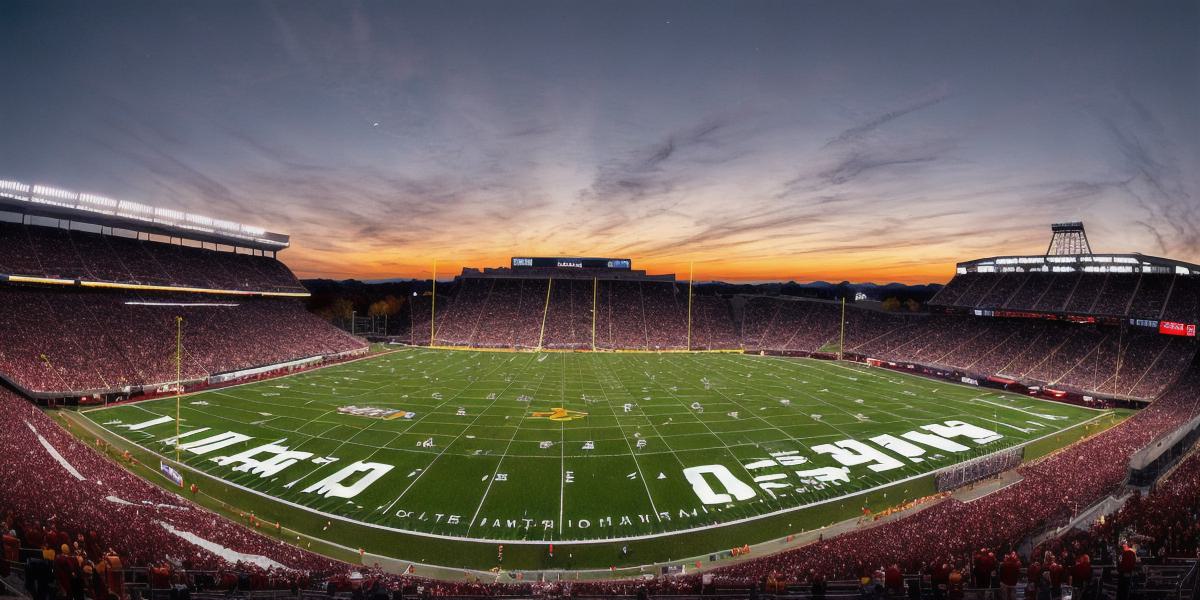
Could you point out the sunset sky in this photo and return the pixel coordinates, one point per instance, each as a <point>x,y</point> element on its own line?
<point>870,141</point>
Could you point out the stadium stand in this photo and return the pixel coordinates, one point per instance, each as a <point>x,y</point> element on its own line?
<point>90,290</point>
<point>95,341</point>
<point>53,252</point>
<point>499,311</point>
<point>1150,295</point>
<point>1109,360</point>
<point>1092,353</point>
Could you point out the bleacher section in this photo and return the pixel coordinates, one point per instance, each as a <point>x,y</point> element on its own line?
<point>86,313</point>
<point>631,314</point>
<point>1104,360</point>
<point>1098,355</point>
<point>94,341</point>
<point>1150,295</point>
<point>55,253</point>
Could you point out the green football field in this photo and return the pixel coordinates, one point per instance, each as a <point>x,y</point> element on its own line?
<point>534,448</point>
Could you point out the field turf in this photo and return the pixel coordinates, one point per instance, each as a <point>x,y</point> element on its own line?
<point>534,448</point>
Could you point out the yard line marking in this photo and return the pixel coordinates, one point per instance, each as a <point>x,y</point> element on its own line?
<point>763,386</point>
<point>728,450</point>
<point>429,466</point>
<point>516,431</point>
<point>632,454</point>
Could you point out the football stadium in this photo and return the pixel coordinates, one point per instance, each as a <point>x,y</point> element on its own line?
<point>572,419</point>
<point>375,301</point>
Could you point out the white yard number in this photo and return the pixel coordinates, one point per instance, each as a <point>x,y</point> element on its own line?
<point>214,443</point>
<point>952,429</point>
<point>909,445</point>
<point>331,487</point>
<point>904,448</point>
<point>280,458</point>
<point>734,487</point>
<point>852,453</point>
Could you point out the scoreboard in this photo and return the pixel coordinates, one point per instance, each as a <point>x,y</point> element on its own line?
<point>1180,329</point>
<point>562,262</point>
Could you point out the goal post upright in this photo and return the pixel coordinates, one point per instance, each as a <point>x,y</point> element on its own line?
<point>691,272</point>
<point>545,311</point>
<point>595,287</point>
<point>841,341</point>
<point>433,304</point>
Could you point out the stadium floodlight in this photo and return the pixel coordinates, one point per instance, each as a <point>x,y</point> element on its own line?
<point>134,207</point>
<point>98,200</point>
<point>175,215</point>
<point>200,220</point>
<point>46,191</point>
<point>1068,239</point>
<point>94,203</point>
<point>14,186</point>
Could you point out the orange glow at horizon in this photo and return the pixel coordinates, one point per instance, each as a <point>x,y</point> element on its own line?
<point>834,269</point>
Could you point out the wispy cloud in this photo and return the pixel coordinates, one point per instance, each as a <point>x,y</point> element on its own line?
<point>803,141</point>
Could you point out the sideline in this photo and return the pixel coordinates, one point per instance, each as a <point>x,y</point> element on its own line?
<point>761,549</point>
<point>234,385</point>
<point>623,539</point>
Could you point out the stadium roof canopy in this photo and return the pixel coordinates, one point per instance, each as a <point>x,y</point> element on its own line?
<point>54,203</point>
<point>1079,263</point>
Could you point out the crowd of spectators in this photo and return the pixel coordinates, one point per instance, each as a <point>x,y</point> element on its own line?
<point>1130,362</point>
<point>1144,296</point>
<point>1167,520</point>
<point>568,315</point>
<point>53,252</point>
<point>630,314</point>
<point>1093,359</point>
<point>79,341</point>
<point>107,508</point>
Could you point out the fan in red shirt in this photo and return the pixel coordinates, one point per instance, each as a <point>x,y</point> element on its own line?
<point>893,581</point>
<point>1128,561</point>
<point>1056,578</point>
<point>1035,579</point>
<point>1010,576</point>
<point>1125,568</point>
<point>1081,573</point>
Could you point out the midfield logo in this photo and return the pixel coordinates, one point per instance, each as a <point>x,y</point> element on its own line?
<point>559,414</point>
<point>386,414</point>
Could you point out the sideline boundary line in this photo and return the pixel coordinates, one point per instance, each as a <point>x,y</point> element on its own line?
<point>701,528</point>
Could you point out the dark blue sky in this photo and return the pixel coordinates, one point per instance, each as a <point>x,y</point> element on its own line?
<point>805,140</point>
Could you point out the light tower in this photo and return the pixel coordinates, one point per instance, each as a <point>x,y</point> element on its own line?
<point>1068,239</point>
